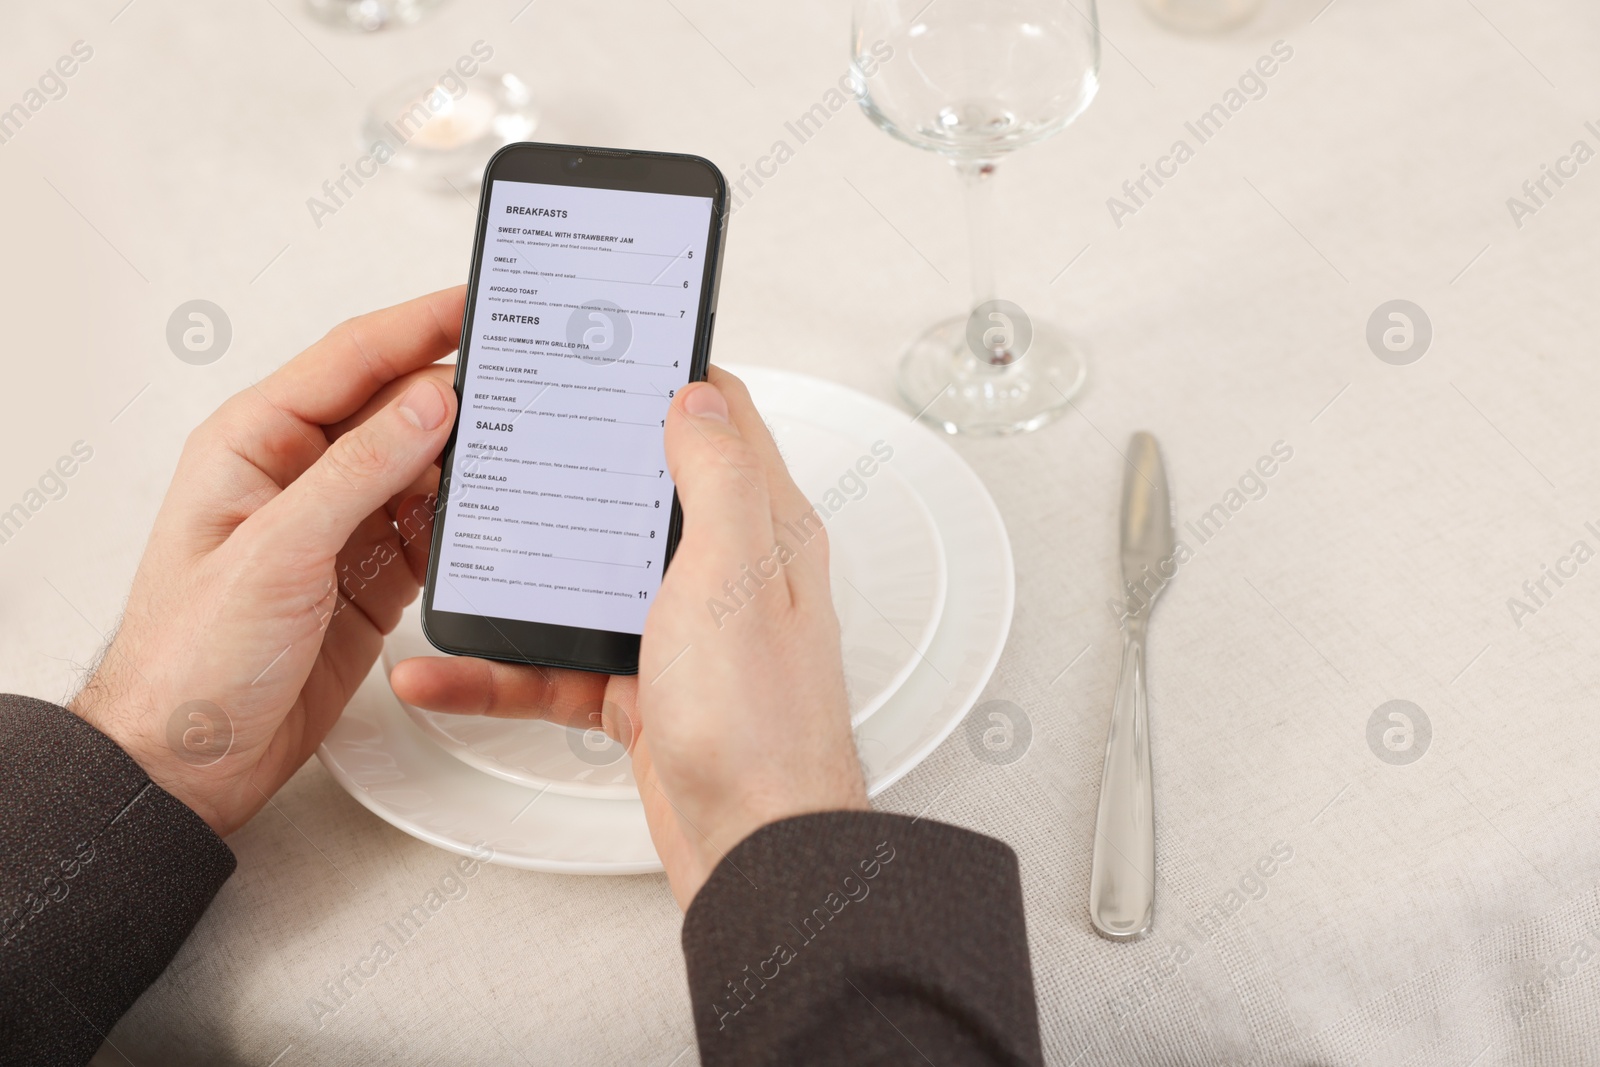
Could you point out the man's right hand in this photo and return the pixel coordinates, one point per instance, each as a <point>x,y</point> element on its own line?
<point>738,716</point>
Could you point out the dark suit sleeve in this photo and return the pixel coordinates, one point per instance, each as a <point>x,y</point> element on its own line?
<point>102,876</point>
<point>855,937</point>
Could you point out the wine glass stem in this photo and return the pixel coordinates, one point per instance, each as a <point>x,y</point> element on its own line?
<point>978,177</point>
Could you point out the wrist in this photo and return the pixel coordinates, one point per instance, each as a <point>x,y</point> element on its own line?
<point>745,819</point>
<point>125,717</point>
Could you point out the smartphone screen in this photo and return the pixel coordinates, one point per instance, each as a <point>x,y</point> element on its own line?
<point>581,327</point>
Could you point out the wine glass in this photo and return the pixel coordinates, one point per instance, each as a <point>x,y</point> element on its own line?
<point>367,16</point>
<point>974,80</point>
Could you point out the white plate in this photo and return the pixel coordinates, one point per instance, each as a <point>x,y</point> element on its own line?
<point>889,585</point>
<point>389,765</point>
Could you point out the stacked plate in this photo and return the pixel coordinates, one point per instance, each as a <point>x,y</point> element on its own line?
<point>922,582</point>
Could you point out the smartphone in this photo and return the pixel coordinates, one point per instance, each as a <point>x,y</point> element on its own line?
<point>591,301</point>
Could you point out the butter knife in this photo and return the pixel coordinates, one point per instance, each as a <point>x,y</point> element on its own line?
<point>1122,879</point>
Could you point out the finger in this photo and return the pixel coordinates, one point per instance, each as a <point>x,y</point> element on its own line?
<point>316,513</point>
<point>466,686</point>
<point>621,712</point>
<point>331,380</point>
<point>443,374</point>
<point>788,502</point>
<point>350,646</point>
<point>414,523</point>
<point>212,491</point>
<point>373,573</point>
<point>794,518</point>
<point>721,481</point>
<point>280,430</point>
<point>426,484</point>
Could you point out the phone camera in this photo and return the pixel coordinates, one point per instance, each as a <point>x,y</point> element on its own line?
<point>572,164</point>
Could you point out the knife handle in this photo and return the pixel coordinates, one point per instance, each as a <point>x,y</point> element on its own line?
<point>1122,880</point>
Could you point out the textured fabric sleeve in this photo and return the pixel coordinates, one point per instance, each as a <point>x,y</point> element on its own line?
<point>102,876</point>
<point>855,937</point>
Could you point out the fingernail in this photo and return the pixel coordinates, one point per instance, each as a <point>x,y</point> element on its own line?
<point>423,405</point>
<point>703,400</point>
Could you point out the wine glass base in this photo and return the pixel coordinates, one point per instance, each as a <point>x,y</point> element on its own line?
<point>952,389</point>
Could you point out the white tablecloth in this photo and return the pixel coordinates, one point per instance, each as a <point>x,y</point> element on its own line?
<point>1443,911</point>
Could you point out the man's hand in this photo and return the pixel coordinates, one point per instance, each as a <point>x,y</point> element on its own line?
<point>738,716</point>
<point>276,564</point>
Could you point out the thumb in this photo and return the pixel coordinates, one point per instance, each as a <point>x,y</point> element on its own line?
<point>721,481</point>
<point>317,512</point>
